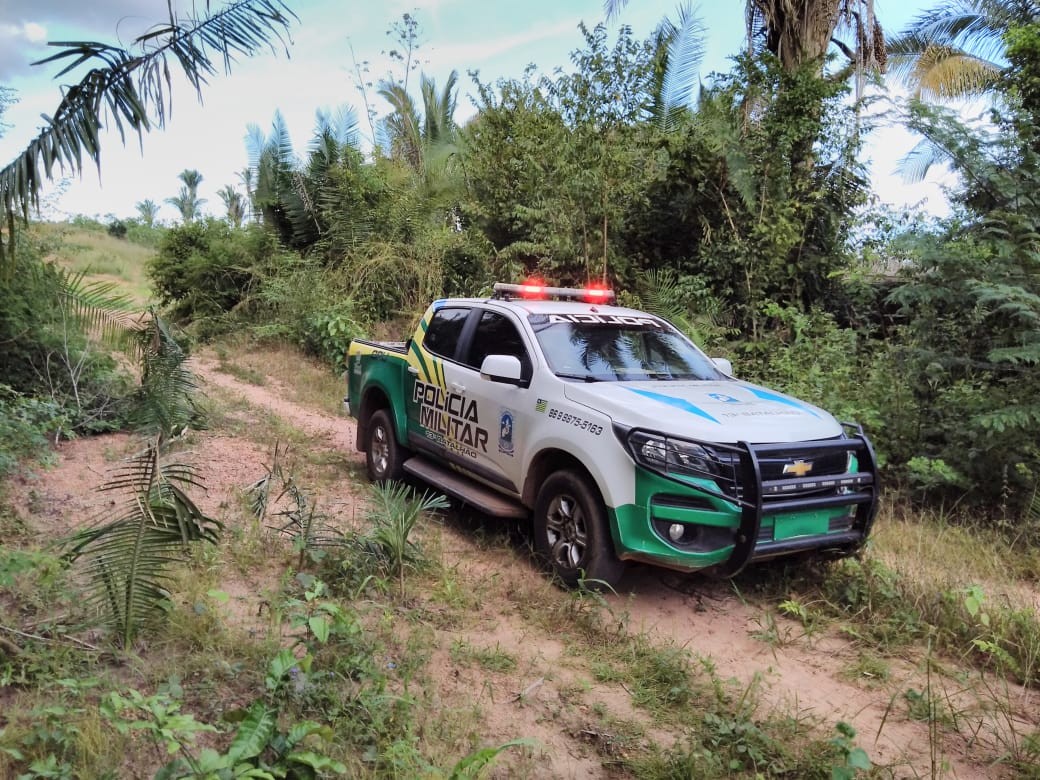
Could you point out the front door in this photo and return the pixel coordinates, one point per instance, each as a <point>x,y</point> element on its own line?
<point>500,407</point>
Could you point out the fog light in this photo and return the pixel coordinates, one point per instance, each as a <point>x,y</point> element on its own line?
<point>675,531</point>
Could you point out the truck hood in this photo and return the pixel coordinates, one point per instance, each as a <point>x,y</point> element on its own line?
<point>724,411</point>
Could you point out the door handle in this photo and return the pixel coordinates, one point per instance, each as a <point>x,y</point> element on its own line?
<point>413,371</point>
<point>457,388</point>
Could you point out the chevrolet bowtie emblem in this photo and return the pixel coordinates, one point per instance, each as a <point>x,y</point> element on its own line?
<point>798,469</point>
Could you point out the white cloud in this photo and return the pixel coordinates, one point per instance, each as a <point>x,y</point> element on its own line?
<point>475,52</point>
<point>34,33</point>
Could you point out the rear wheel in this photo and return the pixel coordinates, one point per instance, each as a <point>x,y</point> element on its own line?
<point>571,533</point>
<point>384,456</point>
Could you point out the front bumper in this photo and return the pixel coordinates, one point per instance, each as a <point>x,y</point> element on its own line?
<point>752,512</point>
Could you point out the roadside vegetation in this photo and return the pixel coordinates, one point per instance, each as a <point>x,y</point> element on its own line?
<point>294,622</point>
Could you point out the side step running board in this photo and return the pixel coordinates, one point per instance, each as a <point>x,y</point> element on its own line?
<point>466,490</point>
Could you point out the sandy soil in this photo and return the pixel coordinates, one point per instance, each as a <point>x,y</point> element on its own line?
<point>547,698</point>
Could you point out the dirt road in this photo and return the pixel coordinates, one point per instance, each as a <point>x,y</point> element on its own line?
<point>548,696</point>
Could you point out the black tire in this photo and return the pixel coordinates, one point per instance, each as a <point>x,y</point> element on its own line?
<point>571,534</point>
<point>383,455</point>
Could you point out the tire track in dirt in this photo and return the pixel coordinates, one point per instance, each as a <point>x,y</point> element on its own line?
<point>337,432</point>
<point>799,674</point>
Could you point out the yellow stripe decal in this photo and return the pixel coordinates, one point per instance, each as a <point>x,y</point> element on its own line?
<point>422,362</point>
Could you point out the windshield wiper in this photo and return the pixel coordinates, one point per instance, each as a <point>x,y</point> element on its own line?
<point>582,377</point>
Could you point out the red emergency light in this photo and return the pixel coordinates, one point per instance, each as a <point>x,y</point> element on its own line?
<point>532,289</point>
<point>597,294</point>
<point>536,290</point>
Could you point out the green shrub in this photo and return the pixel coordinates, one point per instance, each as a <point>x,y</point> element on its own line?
<point>205,269</point>
<point>140,233</point>
<point>46,354</point>
<point>299,300</point>
<point>329,332</point>
<point>117,228</point>
<point>25,424</point>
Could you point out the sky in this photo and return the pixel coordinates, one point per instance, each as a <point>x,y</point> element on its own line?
<point>497,39</point>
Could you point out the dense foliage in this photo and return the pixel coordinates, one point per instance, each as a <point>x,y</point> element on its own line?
<point>740,217</point>
<point>724,217</point>
<point>204,269</point>
<point>972,297</point>
<point>55,381</point>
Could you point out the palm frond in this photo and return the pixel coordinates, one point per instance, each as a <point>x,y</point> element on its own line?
<point>125,560</point>
<point>346,125</point>
<point>682,62</point>
<point>131,88</point>
<point>402,126</point>
<point>956,49</point>
<point>256,141</point>
<point>975,25</point>
<point>165,404</point>
<point>439,109</point>
<point>944,72</point>
<point>949,73</point>
<point>100,308</point>
<point>926,154</point>
<point>612,8</point>
<point>658,291</point>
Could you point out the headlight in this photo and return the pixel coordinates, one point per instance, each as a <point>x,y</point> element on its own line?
<point>662,453</point>
<point>655,451</point>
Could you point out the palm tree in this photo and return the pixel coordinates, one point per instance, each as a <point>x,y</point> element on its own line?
<point>148,211</point>
<point>131,85</point>
<point>403,130</point>
<point>192,179</point>
<point>187,201</point>
<point>799,33</point>
<point>287,195</point>
<point>439,110</point>
<point>234,203</point>
<point>246,177</point>
<point>411,138</point>
<point>955,49</point>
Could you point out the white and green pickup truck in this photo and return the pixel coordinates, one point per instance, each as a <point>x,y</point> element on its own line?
<point>612,432</point>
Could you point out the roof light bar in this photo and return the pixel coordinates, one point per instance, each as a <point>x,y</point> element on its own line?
<point>537,291</point>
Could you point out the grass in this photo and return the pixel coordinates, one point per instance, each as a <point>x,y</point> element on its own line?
<point>936,551</point>
<point>491,659</point>
<point>381,699</point>
<point>242,374</point>
<point>387,690</point>
<point>103,257</point>
<point>868,669</point>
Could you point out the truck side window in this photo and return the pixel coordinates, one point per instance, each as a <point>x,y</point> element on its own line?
<point>442,336</point>
<point>496,335</point>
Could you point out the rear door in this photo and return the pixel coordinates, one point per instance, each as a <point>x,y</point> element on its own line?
<point>434,408</point>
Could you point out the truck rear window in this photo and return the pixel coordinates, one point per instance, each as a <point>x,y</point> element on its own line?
<point>442,335</point>
<point>608,348</point>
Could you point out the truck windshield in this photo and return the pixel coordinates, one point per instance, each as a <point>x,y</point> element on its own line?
<point>609,348</point>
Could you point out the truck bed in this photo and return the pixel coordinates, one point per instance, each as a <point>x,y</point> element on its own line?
<point>400,347</point>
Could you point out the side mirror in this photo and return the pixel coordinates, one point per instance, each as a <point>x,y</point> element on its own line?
<point>501,368</point>
<point>723,365</point>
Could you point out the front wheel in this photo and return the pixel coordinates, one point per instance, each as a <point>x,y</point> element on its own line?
<point>571,533</point>
<point>384,456</point>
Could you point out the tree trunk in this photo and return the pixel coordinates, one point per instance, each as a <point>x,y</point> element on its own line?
<point>799,31</point>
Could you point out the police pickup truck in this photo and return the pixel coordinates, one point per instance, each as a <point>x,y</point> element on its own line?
<point>612,432</point>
